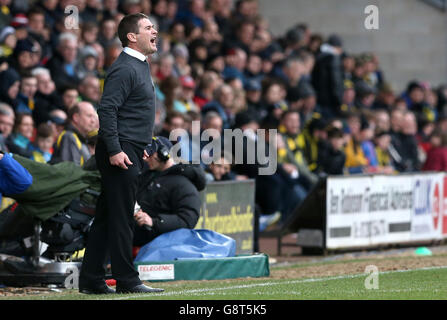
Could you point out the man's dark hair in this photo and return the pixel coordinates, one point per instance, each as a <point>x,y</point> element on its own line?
<point>44,130</point>
<point>67,88</point>
<point>173,114</point>
<point>35,10</point>
<point>129,24</point>
<point>18,120</point>
<point>27,75</point>
<point>287,113</point>
<point>72,111</point>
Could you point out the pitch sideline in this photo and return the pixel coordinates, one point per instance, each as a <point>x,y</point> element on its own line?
<point>263,284</point>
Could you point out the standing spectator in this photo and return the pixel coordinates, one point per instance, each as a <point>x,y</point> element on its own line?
<point>295,160</point>
<point>385,98</point>
<point>100,64</point>
<point>208,83</point>
<point>406,145</point>
<point>253,92</point>
<point>222,104</point>
<point>47,98</point>
<point>92,11</point>
<point>20,23</point>
<point>382,120</point>
<point>315,42</point>
<point>356,161</point>
<point>348,63</point>
<point>365,96</point>
<point>273,99</point>
<point>166,66</point>
<point>292,71</point>
<point>20,139</point>
<point>70,96</point>
<point>437,156</point>
<point>90,90</point>
<point>26,97</point>
<point>58,119</point>
<point>49,7</point>
<point>187,94</point>
<point>382,141</point>
<point>87,63</point>
<point>194,14</point>
<point>89,33</point>
<point>181,56</point>
<point>245,33</point>
<point>367,136</point>
<point>396,118</point>
<point>312,137</point>
<point>327,76</point>
<point>62,64</point>
<point>331,157</point>
<point>174,120</point>
<point>160,12</point>
<point>348,101</point>
<point>177,34</point>
<point>235,63</point>
<point>107,35</point>
<point>22,59</point>
<point>170,93</point>
<point>414,95</point>
<point>220,170</point>
<point>253,70</point>
<point>309,107</point>
<point>71,145</point>
<point>294,40</point>
<point>9,87</point>
<point>37,30</point>
<point>8,41</point>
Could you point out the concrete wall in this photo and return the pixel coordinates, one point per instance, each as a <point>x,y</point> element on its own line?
<point>411,42</point>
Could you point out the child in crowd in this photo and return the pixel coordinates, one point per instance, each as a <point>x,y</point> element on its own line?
<point>42,149</point>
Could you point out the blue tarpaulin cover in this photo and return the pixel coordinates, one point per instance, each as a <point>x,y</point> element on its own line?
<point>186,243</point>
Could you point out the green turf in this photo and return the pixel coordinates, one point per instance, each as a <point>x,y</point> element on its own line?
<point>415,284</point>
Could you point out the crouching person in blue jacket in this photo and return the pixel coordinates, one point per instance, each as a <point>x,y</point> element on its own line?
<point>14,178</point>
<point>168,193</point>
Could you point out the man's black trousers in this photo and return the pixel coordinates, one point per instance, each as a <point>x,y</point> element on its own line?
<point>113,227</point>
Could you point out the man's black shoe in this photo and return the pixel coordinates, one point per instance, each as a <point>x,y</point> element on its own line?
<point>141,288</point>
<point>99,289</point>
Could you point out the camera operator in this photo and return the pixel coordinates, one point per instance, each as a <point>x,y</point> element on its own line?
<point>168,193</point>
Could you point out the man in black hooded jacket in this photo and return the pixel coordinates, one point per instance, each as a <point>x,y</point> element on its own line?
<point>168,193</point>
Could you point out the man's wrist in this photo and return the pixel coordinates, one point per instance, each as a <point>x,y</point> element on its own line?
<point>114,153</point>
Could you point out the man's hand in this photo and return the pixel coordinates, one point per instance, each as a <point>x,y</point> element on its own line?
<point>1,156</point>
<point>121,160</point>
<point>145,156</point>
<point>142,218</point>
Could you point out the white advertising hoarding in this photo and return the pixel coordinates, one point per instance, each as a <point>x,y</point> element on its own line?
<point>372,210</point>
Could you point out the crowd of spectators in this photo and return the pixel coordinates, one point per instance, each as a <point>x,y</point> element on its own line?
<point>217,63</point>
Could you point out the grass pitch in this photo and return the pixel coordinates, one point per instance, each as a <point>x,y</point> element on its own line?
<point>426,283</point>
